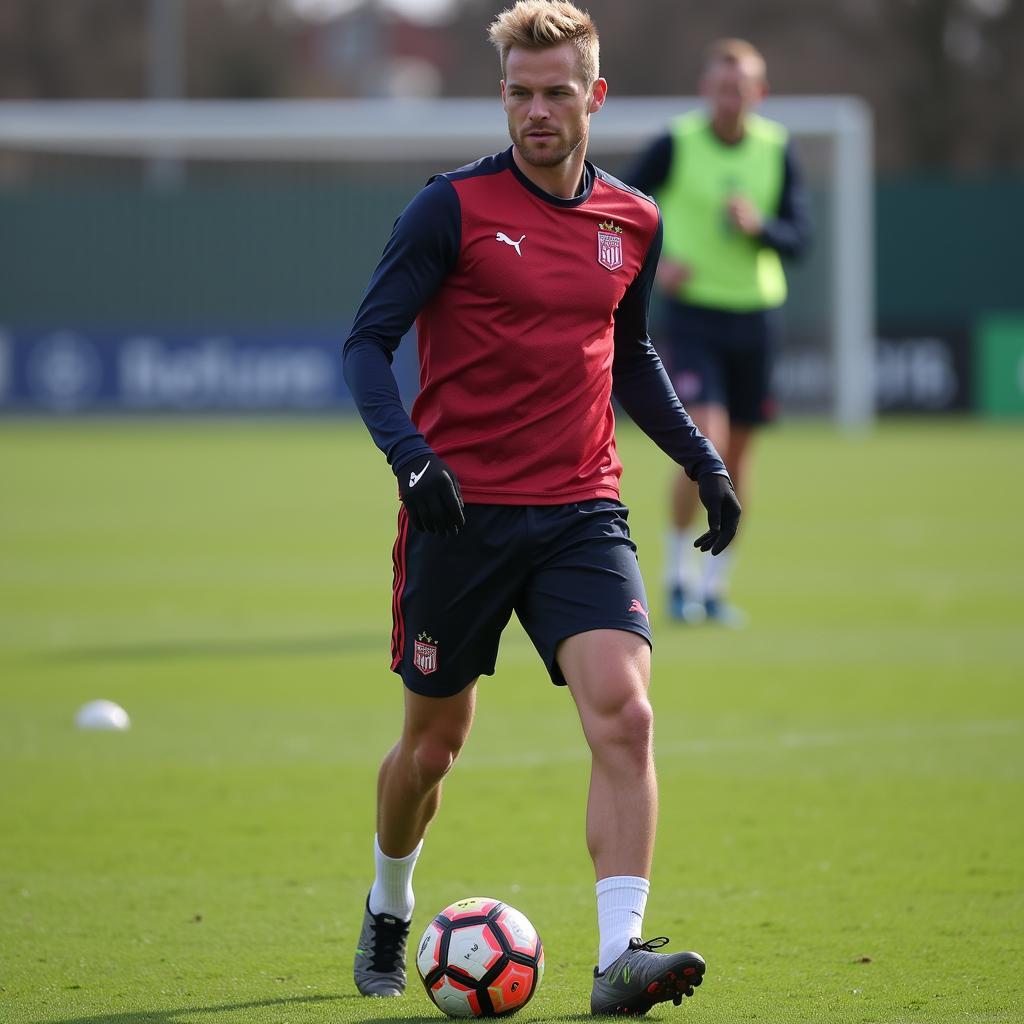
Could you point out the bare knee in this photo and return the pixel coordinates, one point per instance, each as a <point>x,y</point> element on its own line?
<point>433,757</point>
<point>623,729</point>
<point>433,733</point>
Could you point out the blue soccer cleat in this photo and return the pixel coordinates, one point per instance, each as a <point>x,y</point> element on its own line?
<point>682,609</point>
<point>719,612</point>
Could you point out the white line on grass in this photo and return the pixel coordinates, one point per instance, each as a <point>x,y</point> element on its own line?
<point>780,742</point>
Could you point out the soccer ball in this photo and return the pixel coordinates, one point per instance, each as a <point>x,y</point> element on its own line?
<point>480,958</point>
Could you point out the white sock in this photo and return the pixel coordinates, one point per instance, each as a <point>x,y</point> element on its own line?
<point>675,561</point>
<point>621,902</point>
<point>680,563</point>
<point>715,575</point>
<point>691,578</point>
<point>392,888</point>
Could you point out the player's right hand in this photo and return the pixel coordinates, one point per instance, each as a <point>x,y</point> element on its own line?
<point>671,275</point>
<point>744,217</point>
<point>430,492</point>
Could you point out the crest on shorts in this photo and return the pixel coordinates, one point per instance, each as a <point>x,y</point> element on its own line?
<point>609,245</point>
<point>424,654</point>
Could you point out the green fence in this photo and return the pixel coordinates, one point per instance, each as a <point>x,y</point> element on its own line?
<point>294,247</point>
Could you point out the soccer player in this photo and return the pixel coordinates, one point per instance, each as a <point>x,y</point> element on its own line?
<point>730,191</point>
<point>528,275</point>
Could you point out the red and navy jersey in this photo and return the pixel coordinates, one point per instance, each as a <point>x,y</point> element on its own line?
<point>530,310</point>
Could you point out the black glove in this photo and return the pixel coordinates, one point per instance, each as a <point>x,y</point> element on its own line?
<point>718,497</point>
<point>431,495</point>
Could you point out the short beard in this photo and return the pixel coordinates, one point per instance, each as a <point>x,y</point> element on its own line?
<point>549,158</point>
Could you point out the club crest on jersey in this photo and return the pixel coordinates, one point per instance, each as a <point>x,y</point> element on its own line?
<point>609,245</point>
<point>424,654</point>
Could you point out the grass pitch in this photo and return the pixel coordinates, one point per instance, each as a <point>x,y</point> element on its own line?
<point>842,782</point>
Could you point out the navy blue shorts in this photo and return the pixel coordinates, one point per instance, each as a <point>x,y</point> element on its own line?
<point>716,357</point>
<point>563,569</point>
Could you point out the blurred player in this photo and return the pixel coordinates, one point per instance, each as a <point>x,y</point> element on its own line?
<point>529,275</point>
<point>729,187</point>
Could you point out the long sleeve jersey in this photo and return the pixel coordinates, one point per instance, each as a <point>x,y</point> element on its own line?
<point>530,310</point>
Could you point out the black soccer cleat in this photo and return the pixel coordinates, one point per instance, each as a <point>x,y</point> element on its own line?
<point>639,978</point>
<point>379,968</point>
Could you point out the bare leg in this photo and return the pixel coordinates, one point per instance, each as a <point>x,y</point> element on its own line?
<point>608,672</point>
<point>713,421</point>
<point>409,783</point>
<point>408,796</point>
<point>737,457</point>
<point>683,565</point>
<point>714,583</point>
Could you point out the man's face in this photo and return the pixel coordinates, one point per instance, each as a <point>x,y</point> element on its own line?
<point>732,87</point>
<point>548,104</point>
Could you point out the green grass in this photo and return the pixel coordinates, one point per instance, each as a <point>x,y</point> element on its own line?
<point>842,832</point>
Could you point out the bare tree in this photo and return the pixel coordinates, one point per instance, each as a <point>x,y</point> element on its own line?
<point>944,77</point>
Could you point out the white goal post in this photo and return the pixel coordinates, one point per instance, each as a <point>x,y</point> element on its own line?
<point>168,132</point>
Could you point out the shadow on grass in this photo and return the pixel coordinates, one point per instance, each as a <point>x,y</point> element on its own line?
<point>186,1012</point>
<point>413,1019</point>
<point>290,647</point>
<point>521,1018</point>
<point>438,1019</point>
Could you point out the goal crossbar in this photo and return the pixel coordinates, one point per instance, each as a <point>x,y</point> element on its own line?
<point>399,130</point>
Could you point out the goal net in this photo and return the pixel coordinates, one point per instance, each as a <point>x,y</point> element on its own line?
<point>209,255</point>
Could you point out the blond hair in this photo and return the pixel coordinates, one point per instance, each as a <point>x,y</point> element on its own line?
<point>538,24</point>
<point>736,51</point>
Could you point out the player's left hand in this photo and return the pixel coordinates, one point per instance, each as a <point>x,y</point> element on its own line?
<point>719,498</point>
<point>744,216</point>
<point>430,491</point>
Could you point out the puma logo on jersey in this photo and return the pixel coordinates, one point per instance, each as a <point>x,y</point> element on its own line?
<point>502,237</point>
